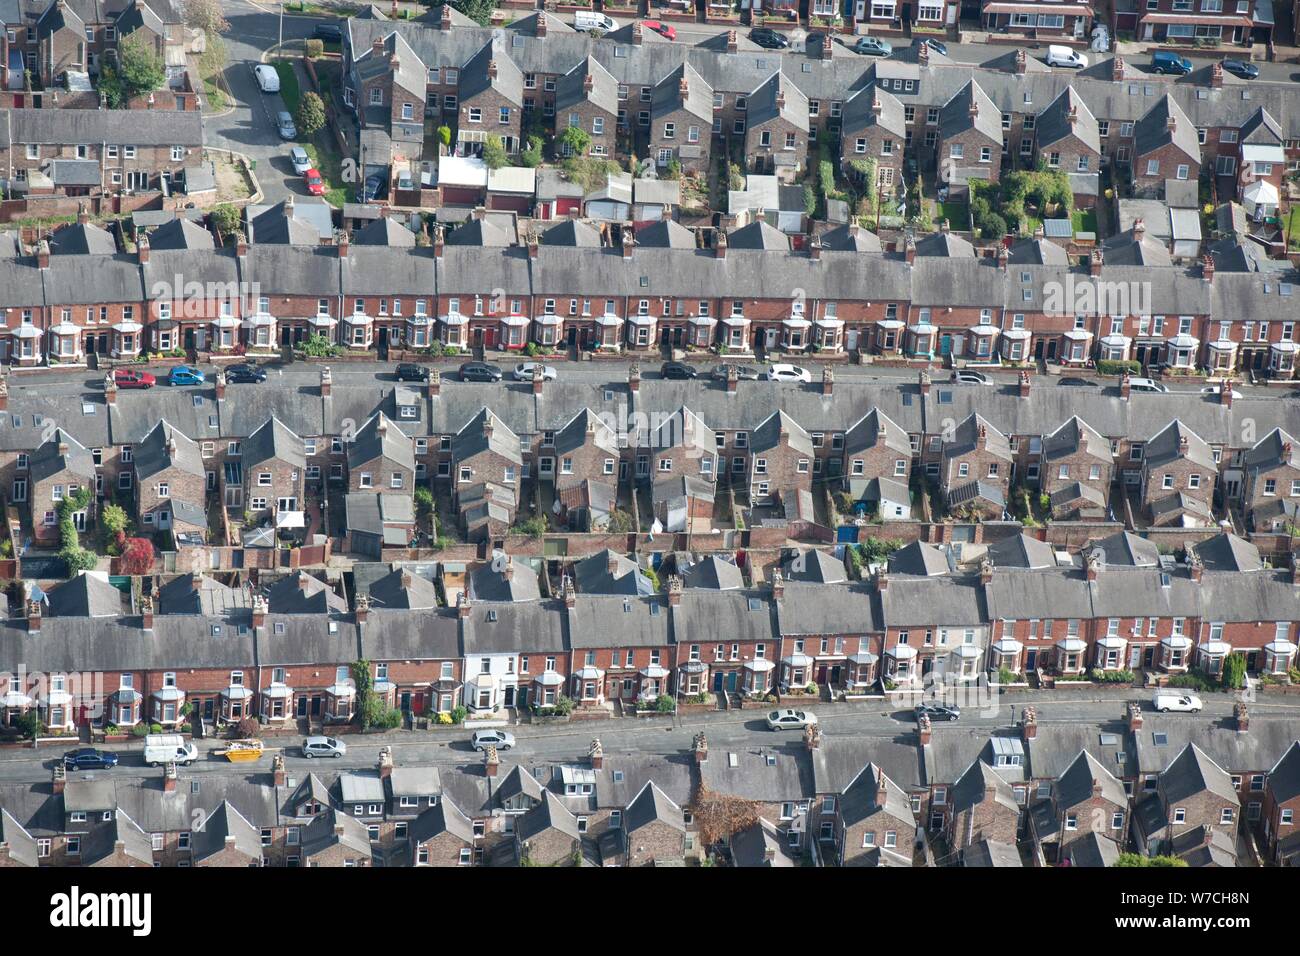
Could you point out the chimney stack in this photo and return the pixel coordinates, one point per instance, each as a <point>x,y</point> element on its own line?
<point>60,778</point>
<point>439,240</point>
<point>778,586</point>
<point>1022,62</point>
<point>33,617</point>
<point>142,250</point>
<point>733,380</point>
<point>731,41</point>
<point>1028,723</point>
<point>434,385</point>
<point>1023,384</point>
<point>1225,399</point>
<point>531,240</point>
<point>170,778</point>
<point>341,243</point>
<point>1295,565</point>
<point>596,754</point>
<point>628,239</point>
<point>1133,713</point>
<point>444,22</point>
<point>278,773</point>
<point>1117,69</point>
<point>882,791</point>
<point>720,245</point>
<point>923,728</point>
<point>981,435</point>
<point>1095,262</point>
<point>362,612</point>
<point>812,736</point>
<point>945,227</point>
<point>683,88</point>
<point>304,579</point>
<point>909,245</point>
<point>1125,385</point>
<point>1207,268</point>
<point>1241,715</point>
<point>636,34</point>
<point>1182,446</point>
<point>491,762</point>
<point>828,46</point>
<point>923,55</point>
<point>538,380</point>
<point>1073,115</point>
<point>196,581</point>
<point>326,381</point>
<point>882,580</point>
<point>4,393</point>
<point>385,765</point>
<point>700,748</point>
<point>462,606</point>
<point>43,255</point>
<point>1216,76</point>
<point>146,613</point>
<point>570,593</point>
<point>1139,229</point>
<point>492,69</point>
<point>1195,567</point>
<point>241,245</point>
<point>674,591</point>
<point>828,381</point>
<point>1093,566</point>
<point>923,381</point>
<point>83,215</point>
<point>221,385</point>
<point>540,30</point>
<point>110,390</point>
<point>1004,257</point>
<point>815,248</point>
<point>986,571</point>
<point>634,377</point>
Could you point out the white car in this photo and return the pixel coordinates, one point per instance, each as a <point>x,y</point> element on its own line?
<point>1146,385</point>
<point>323,747</point>
<point>1218,390</point>
<point>524,372</point>
<point>483,739</point>
<point>782,372</point>
<point>1185,703</point>
<point>790,719</point>
<point>268,81</point>
<point>971,377</point>
<point>301,161</point>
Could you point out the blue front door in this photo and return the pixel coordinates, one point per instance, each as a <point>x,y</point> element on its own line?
<point>945,345</point>
<point>717,682</point>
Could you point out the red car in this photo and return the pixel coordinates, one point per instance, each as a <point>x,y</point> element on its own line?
<point>663,29</point>
<point>315,184</point>
<point>130,378</point>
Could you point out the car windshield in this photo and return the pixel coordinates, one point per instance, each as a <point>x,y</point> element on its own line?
<point>799,714</point>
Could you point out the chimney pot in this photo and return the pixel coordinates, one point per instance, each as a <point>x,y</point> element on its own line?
<point>923,728</point>
<point>1133,711</point>
<point>1029,723</point>
<point>1241,715</point>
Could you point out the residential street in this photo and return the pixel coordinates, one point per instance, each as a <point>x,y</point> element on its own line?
<point>725,730</point>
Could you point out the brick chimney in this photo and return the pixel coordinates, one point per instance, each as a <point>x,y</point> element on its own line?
<point>731,41</point>
<point>1195,567</point>
<point>377,46</point>
<point>815,248</point>
<point>241,245</point>
<point>142,250</point>
<point>170,777</point>
<point>628,238</point>
<point>1095,262</point>
<point>909,246</point>
<point>828,381</point>
<point>1182,446</point>
<point>1241,716</point>
<point>1216,76</point>
<point>221,385</point>
<point>341,243</point>
<point>882,790</point>
<point>596,754</point>
<point>828,46</point>
<point>882,580</point>
<point>462,605</point>
<point>326,381</point>
<point>733,380</point>
<point>720,245</point>
<point>1117,69</point>
<point>196,581</point>
<point>636,33</point>
<point>362,612</point>
<point>1028,723</point>
<point>444,22</point>
<point>683,88</point>
<point>1133,716</point>
<point>60,779</point>
<point>33,617</point>
<point>146,613</point>
<point>674,591</point>
<point>923,55</point>
<point>83,214</point>
<point>491,762</point>
<point>1093,565</point>
<point>110,389</point>
<point>812,736</point>
<point>945,227</point>
<point>540,29</point>
<point>434,385</point>
<point>538,372</point>
<point>278,773</point>
<point>700,748</point>
<point>923,382</point>
<point>780,99</point>
<point>1004,257</point>
<point>385,765</point>
<point>569,592</point>
<point>634,377</point>
<point>1207,268</point>
<point>1139,229</point>
<point>1125,385</point>
<point>4,393</point>
<point>923,728</point>
<point>492,70</point>
<point>1022,62</point>
<point>438,241</point>
<point>778,586</point>
<point>588,83</point>
<point>531,240</point>
<point>43,255</point>
<point>1225,399</point>
<point>986,571</point>
<point>304,579</point>
<point>1023,384</point>
<point>981,436</point>
<point>974,108</point>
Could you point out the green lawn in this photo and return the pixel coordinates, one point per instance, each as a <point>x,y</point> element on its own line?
<point>329,164</point>
<point>289,90</point>
<point>1085,220</point>
<point>957,214</point>
<point>1292,226</point>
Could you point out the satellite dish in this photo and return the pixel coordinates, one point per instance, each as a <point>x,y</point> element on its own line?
<point>556,507</point>
<point>656,527</point>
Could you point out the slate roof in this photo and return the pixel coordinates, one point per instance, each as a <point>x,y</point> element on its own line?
<point>713,573</point>
<point>1077,783</point>
<point>813,566</point>
<point>592,575</point>
<point>273,441</point>
<point>504,578</point>
<point>87,595</point>
<point>652,805</point>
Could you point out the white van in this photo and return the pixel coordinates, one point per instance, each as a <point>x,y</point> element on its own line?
<point>268,81</point>
<point>168,748</point>
<point>585,20</point>
<point>1065,56</point>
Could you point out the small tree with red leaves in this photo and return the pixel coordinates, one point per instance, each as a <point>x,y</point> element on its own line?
<point>137,556</point>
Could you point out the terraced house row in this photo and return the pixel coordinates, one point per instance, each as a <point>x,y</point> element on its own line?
<point>1031,794</point>
<point>479,285</point>
<point>678,100</point>
<point>283,650</point>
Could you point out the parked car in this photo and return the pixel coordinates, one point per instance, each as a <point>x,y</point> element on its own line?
<point>323,747</point>
<point>480,372</point>
<point>1146,385</point>
<point>873,46</point>
<point>314,183</point>
<point>746,372</point>
<point>410,372</point>
<point>935,46</point>
<point>373,187</point>
<point>88,758</point>
<point>968,376</point>
<point>268,81</point>
<point>284,125</point>
<point>1065,56</point>
<point>301,161</point>
<point>185,375</point>
<point>162,749</point>
<point>784,372</point>
<point>329,32</point>
<point>585,20</point>
<point>483,739</point>
<point>1241,68</point>
<point>938,711</point>
<point>133,378</point>
<point>245,372</point>
<point>666,30</point>
<point>677,370</point>
<point>1186,703</point>
<point>790,719</point>
<point>1164,61</point>
<point>769,39</point>
<point>524,372</point>
<point>1218,390</point>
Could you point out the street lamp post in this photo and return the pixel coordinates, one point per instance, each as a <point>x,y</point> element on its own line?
<point>281,43</point>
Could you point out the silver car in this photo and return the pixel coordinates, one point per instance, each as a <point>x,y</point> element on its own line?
<point>790,719</point>
<point>284,125</point>
<point>301,161</point>
<point>483,739</point>
<point>323,747</point>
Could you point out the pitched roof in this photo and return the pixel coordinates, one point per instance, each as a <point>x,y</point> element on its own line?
<point>652,805</point>
<point>87,595</point>
<point>1192,773</point>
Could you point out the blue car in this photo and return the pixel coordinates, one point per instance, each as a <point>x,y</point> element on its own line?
<point>185,375</point>
<point>87,758</point>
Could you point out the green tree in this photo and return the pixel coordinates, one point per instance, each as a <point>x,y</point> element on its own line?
<point>577,139</point>
<point>225,217</point>
<point>370,708</point>
<point>138,70</point>
<point>532,155</point>
<point>1137,860</point>
<point>311,115</point>
<point>444,135</point>
<point>1234,671</point>
<point>113,519</point>
<point>480,11</point>
<point>423,500</point>
<point>494,152</point>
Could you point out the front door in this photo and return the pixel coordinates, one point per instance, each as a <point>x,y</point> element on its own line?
<point>301,707</point>
<point>717,681</point>
<point>406,702</point>
<point>316,706</point>
<point>769,338</point>
<point>731,680</point>
<point>1031,660</point>
<point>207,708</point>
<point>945,345</point>
<point>510,697</point>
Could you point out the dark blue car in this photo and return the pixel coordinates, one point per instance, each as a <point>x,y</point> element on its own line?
<point>88,758</point>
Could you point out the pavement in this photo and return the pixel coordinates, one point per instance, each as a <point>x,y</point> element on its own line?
<point>557,743</point>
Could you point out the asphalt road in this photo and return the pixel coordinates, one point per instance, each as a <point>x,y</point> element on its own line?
<point>569,742</point>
